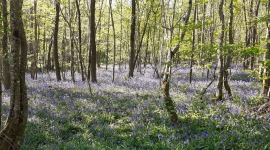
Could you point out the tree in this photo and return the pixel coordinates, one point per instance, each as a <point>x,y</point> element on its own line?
<point>193,42</point>
<point>1,70</point>
<point>132,39</point>
<point>12,135</point>
<point>166,82</point>
<point>228,58</point>
<point>266,81</point>
<point>6,67</point>
<point>220,52</point>
<point>114,39</point>
<point>93,43</point>
<point>80,39</point>
<point>34,60</point>
<point>55,41</point>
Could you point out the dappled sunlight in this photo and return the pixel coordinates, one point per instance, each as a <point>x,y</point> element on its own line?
<point>130,113</point>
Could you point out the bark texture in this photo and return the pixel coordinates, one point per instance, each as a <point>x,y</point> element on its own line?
<point>93,43</point>
<point>219,53</point>
<point>55,42</point>
<point>6,67</point>
<point>132,39</point>
<point>12,135</point>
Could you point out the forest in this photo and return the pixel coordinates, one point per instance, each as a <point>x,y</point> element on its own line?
<point>130,74</point>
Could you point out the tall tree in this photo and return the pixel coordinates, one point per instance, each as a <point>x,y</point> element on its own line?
<point>266,81</point>
<point>34,60</point>
<point>114,40</point>
<point>132,39</point>
<point>55,41</point>
<point>6,67</point>
<point>193,43</point>
<point>93,43</point>
<point>80,39</point>
<point>166,78</point>
<point>220,52</point>
<point>228,59</point>
<point>12,135</point>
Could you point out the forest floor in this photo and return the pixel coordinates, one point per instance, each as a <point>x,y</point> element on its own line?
<point>130,113</point>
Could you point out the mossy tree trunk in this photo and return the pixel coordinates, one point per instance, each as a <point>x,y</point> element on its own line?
<point>6,67</point>
<point>266,81</point>
<point>12,135</point>
<point>166,78</point>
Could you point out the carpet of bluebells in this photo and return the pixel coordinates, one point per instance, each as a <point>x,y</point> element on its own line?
<point>130,113</point>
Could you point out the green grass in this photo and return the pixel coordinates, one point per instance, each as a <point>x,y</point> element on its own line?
<point>130,114</point>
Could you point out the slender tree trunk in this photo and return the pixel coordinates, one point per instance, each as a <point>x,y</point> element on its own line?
<point>229,57</point>
<point>55,42</point>
<point>80,40</point>
<point>12,135</point>
<point>121,36</point>
<point>114,40</point>
<point>108,43</point>
<point>166,80</point>
<point>219,53</point>
<point>64,54</point>
<point>132,39</point>
<point>93,43</point>
<point>6,67</point>
<point>71,46</point>
<point>193,44</point>
<point>49,63</point>
<point>34,61</point>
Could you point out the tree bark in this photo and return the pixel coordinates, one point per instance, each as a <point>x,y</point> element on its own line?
<point>132,39</point>
<point>193,44</point>
<point>266,81</point>
<point>12,135</point>
<point>1,77</point>
<point>6,67</point>
<point>34,60</point>
<point>93,43</point>
<point>114,40</point>
<point>80,40</point>
<point>55,42</point>
<point>219,53</point>
<point>229,57</point>
<point>166,81</point>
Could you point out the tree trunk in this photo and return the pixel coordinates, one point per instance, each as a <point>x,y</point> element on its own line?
<point>266,81</point>
<point>80,40</point>
<point>121,36</point>
<point>229,57</point>
<point>107,45</point>
<point>71,46</point>
<point>49,63</point>
<point>93,43</point>
<point>114,40</point>
<point>132,39</point>
<point>55,42</point>
<point>34,60</point>
<point>12,135</point>
<point>6,67</point>
<point>219,53</point>
<point>166,80</point>
<point>1,77</point>
<point>193,44</point>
